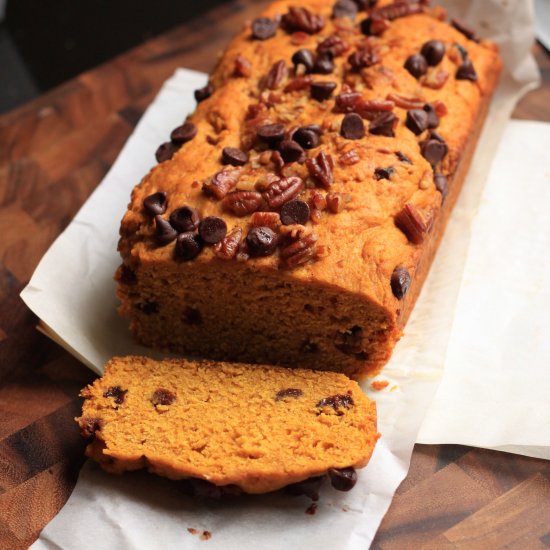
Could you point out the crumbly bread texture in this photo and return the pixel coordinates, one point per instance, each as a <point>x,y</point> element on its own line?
<point>293,218</point>
<point>254,427</point>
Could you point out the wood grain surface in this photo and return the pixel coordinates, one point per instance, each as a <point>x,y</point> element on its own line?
<point>53,153</point>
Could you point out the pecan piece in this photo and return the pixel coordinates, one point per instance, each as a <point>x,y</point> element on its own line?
<point>243,67</point>
<point>298,84</point>
<point>266,219</point>
<point>396,10</point>
<point>406,102</point>
<point>299,252</point>
<point>242,203</point>
<point>301,19</point>
<point>320,169</point>
<point>282,190</point>
<point>412,224</point>
<point>364,57</point>
<point>276,75</point>
<point>221,183</point>
<point>335,202</point>
<point>333,45</point>
<point>434,79</point>
<point>349,158</point>
<point>227,248</point>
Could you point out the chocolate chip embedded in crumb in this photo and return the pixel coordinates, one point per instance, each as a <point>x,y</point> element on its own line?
<point>323,65</point>
<point>295,212</point>
<point>117,392</point>
<point>162,396</point>
<point>261,241</point>
<point>384,173</point>
<point>433,118</point>
<point>441,184</point>
<point>291,151</point>
<point>89,426</point>
<point>416,65</point>
<point>343,479</point>
<point>271,133</point>
<point>164,232</point>
<point>345,8</point>
<point>433,150</point>
<point>466,71</point>
<point>288,392</point>
<point>337,402</point>
<point>383,124</point>
<point>185,219</point>
<point>166,151</point>
<point>400,282</point>
<point>416,121</point>
<point>156,203</point>
<point>204,93</point>
<point>433,51</point>
<point>352,127</point>
<point>188,246</point>
<point>402,157</point>
<point>234,156</point>
<point>184,133</point>
<point>321,91</point>
<point>305,58</point>
<point>264,28</point>
<point>212,229</point>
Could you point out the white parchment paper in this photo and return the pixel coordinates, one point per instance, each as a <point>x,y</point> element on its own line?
<point>73,293</point>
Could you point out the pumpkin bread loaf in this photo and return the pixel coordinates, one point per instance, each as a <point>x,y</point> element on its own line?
<point>293,218</point>
<point>244,428</point>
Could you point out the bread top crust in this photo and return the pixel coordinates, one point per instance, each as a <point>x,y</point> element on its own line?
<point>358,248</point>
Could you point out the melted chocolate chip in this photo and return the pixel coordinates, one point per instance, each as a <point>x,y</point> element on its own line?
<point>156,203</point>
<point>184,133</point>
<point>271,133</point>
<point>400,282</point>
<point>416,121</point>
<point>204,93</point>
<point>345,8</point>
<point>288,392</point>
<point>188,246</point>
<point>352,127</point>
<point>384,173</point>
<point>307,137</point>
<point>466,71</point>
<point>166,151</point>
<point>336,402</point>
<point>416,65</point>
<point>343,479</point>
<point>162,396</point>
<point>402,157</point>
<point>383,124</point>
<point>295,211</point>
<point>164,232</point>
<point>117,392</point>
<point>322,90</point>
<point>184,219</point>
<point>291,151</point>
<point>433,51</point>
<point>212,229</point>
<point>234,156</point>
<point>433,119</point>
<point>323,65</point>
<point>264,28</point>
<point>261,241</point>
<point>304,57</point>
<point>441,184</point>
<point>308,487</point>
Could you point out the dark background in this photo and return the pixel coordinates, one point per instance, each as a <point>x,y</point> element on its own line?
<point>45,42</point>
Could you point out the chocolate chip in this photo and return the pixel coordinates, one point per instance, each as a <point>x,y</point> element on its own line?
<point>336,402</point>
<point>126,275</point>
<point>166,151</point>
<point>352,127</point>
<point>288,392</point>
<point>441,184</point>
<point>184,219</point>
<point>345,8</point>
<point>188,246</point>
<point>322,90</point>
<point>261,241</point>
<point>212,229</point>
<point>164,232</point>
<point>156,203</point>
<point>416,121</point>
<point>271,133</point>
<point>384,173</point>
<point>400,282</point>
<point>148,307</point>
<point>291,151</point>
<point>433,119</point>
<point>466,71</point>
<point>295,211</point>
<point>383,124</point>
<point>306,137</point>
<point>304,57</point>
<point>117,392</point>
<point>234,156</point>
<point>184,133</point>
<point>264,28</point>
<point>402,157</point>
<point>416,65</point>
<point>191,316</point>
<point>162,396</point>
<point>308,487</point>
<point>465,29</point>
<point>204,93</point>
<point>433,51</point>
<point>343,479</point>
<point>323,65</point>
<point>433,150</point>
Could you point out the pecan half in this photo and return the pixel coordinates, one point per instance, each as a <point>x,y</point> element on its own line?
<point>282,190</point>
<point>221,183</point>
<point>406,102</point>
<point>334,45</point>
<point>299,252</point>
<point>227,248</point>
<point>242,203</point>
<point>298,84</point>
<point>265,219</point>
<point>301,19</point>
<point>320,169</point>
<point>364,57</point>
<point>276,75</point>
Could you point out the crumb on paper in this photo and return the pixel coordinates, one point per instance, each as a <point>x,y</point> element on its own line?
<point>311,509</point>
<point>345,508</point>
<point>203,535</point>
<point>379,385</point>
<point>394,387</point>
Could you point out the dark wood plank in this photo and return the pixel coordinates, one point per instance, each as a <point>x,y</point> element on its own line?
<point>53,153</point>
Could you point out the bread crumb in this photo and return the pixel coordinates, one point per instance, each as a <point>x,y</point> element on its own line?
<point>379,385</point>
